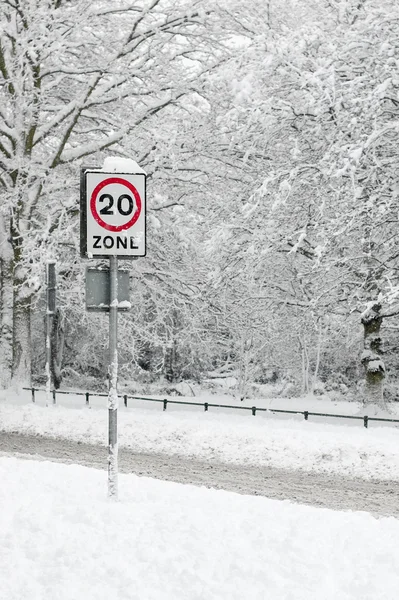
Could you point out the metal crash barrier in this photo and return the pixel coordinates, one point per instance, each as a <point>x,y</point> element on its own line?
<point>206,405</point>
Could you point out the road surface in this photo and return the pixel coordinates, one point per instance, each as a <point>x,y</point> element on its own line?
<point>317,489</point>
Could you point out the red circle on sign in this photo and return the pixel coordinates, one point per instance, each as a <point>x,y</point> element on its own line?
<point>93,206</point>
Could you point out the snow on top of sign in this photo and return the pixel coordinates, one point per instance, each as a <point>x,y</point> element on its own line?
<point>115,164</point>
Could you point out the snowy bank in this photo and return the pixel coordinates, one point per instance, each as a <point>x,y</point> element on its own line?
<point>60,538</point>
<point>261,440</point>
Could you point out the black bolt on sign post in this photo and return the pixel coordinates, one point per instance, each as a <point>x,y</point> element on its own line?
<point>112,225</point>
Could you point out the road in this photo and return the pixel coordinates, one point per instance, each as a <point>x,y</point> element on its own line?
<point>317,489</point>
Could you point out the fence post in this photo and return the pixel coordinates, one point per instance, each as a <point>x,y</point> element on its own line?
<point>366,421</point>
<point>125,400</point>
<point>205,406</point>
<point>306,414</point>
<point>33,394</point>
<point>165,403</point>
<point>254,410</point>
<point>87,398</point>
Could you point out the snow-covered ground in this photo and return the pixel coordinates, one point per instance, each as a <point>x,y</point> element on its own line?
<point>288,443</point>
<point>60,538</point>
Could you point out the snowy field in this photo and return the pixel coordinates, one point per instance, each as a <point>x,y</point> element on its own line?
<point>60,538</point>
<point>289,443</point>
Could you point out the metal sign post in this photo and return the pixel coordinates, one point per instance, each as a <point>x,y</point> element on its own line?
<point>112,225</point>
<point>113,381</point>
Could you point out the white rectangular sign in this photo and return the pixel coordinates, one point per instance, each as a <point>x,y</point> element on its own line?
<point>113,214</point>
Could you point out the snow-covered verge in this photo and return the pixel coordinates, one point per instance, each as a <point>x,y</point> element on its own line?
<point>61,538</point>
<point>242,439</point>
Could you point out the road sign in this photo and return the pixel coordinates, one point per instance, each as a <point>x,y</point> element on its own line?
<point>112,225</point>
<point>112,214</point>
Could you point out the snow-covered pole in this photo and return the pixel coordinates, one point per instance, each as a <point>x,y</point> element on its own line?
<point>113,225</point>
<point>50,310</point>
<point>113,381</point>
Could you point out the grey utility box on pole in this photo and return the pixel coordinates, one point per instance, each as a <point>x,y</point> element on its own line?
<point>98,290</point>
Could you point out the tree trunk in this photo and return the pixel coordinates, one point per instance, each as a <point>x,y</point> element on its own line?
<point>371,357</point>
<point>6,302</point>
<point>170,364</point>
<point>21,352</point>
<point>21,371</point>
<point>305,363</point>
<point>57,339</point>
<point>6,322</point>
<point>245,359</point>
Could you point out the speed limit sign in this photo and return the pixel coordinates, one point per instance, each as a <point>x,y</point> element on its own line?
<point>112,214</point>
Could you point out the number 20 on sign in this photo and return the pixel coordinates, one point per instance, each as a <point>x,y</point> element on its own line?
<point>112,214</point>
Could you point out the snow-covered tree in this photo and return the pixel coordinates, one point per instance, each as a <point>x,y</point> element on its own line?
<point>314,111</point>
<point>77,78</point>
